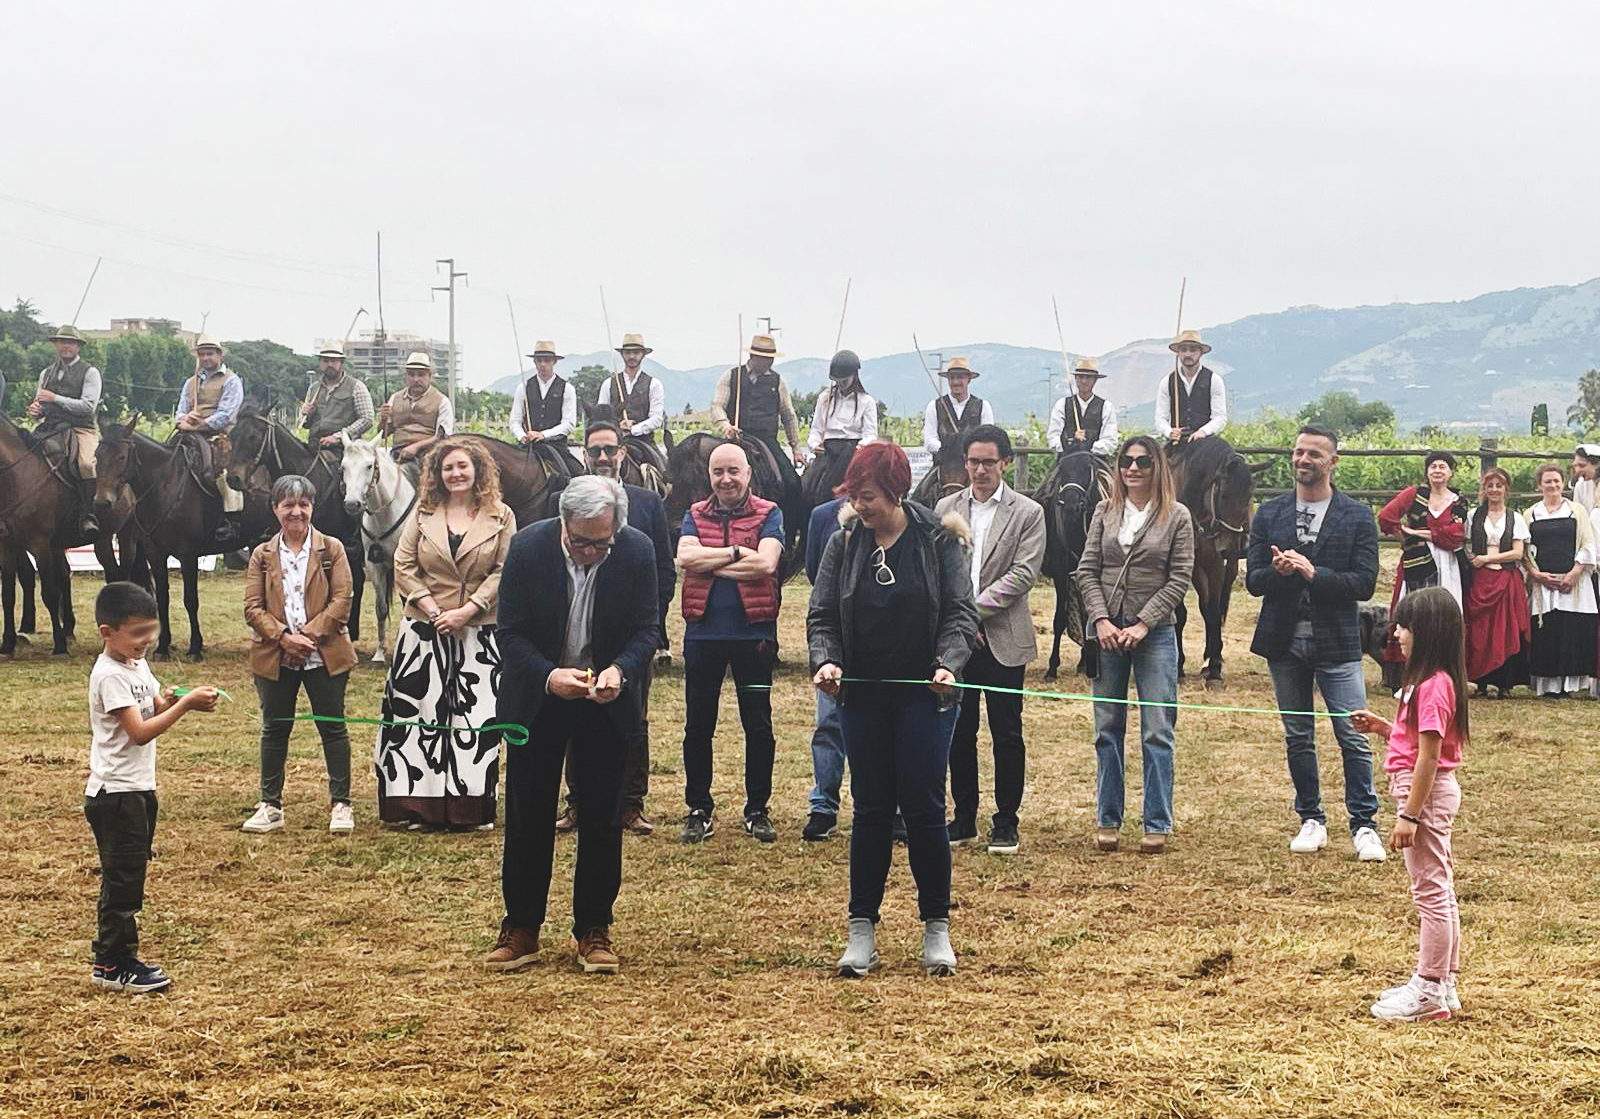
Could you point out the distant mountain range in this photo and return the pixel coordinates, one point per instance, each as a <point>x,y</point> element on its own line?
<point>1480,364</point>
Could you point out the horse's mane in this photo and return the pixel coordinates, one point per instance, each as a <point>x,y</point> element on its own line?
<point>1197,464</point>
<point>124,433</point>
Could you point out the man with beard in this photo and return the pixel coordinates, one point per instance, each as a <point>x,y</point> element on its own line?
<point>1191,401</point>
<point>208,405</point>
<point>66,404</point>
<point>336,403</point>
<point>1084,420</point>
<point>544,411</point>
<point>751,400</point>
<point>638,402</point>
<point>417,416</point>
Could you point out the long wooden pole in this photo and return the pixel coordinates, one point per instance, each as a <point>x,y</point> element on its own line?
<point>738,362</point>
<point>92,274</point>
<point>1177,395</point>
<point>1066,364</point>
<point>527,416</point>
<point>949,409</point>
<point>839,337</point>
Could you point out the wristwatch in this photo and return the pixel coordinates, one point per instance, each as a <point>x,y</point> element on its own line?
<point>736,553</point>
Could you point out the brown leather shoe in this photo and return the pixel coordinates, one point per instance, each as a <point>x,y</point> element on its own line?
<point>515,948</point>
<point>1153,844</point>
<point>1107,839</point>
<point>635,822</point>
<point>594,951</point>
<point>567,822</point>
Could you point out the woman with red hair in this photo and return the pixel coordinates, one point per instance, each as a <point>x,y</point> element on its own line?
<point>893,602</point>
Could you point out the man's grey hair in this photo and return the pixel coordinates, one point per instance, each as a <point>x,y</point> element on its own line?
<point>293,487</point>
<point>591,495</point>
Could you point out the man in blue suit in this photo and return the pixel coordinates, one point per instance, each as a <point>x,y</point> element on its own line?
<point>577,630</point>
<point>1313,560</point>
<point>605,451</point>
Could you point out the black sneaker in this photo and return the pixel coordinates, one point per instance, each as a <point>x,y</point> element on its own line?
<point>820,826</point>
<point>897,830</point>
<point>962,832</point>
<point>697,827</point>
<point>129,975</point>
<point>758,825</point>
<point>1003,839</point>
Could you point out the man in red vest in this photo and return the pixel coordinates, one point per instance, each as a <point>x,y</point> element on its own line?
<point>729,552</point>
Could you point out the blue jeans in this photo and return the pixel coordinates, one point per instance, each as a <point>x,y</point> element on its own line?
<point>1343,689</point>
<point>827,756</point>
<point>898,741</point>
<point>1154,666</point>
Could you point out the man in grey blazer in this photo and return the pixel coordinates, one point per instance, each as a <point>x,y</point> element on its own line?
<point>1007,552</point>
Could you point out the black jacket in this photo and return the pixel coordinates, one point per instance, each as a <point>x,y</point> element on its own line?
<point>534,596</point>
<point>951,616</point>
<point>1346,558</point>
<point>647,514</point>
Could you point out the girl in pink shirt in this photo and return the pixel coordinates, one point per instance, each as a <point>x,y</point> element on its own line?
<point>1425,743</point>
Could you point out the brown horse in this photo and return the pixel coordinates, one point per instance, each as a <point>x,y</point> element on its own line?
<point>39,515</point>
<point>177,514</point>
<point>524,476</point>
<point>946,476</point>
<point>1216,485</point>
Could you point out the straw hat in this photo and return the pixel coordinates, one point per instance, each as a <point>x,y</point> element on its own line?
<point>206,341</point>
<point>959,365</point>
<point>634,342</point>
<point>546,349</point>
<point>1189,336</point>
<point>762,345</point>
<point>67,334</point>
<point>332,350</point>
<point>1087,366</point>
<point>419,360</point>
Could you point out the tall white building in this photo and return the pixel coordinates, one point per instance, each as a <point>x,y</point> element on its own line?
<point>374,361</point>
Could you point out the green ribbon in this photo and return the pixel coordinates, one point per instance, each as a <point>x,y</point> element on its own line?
<point>1095,698</point>
<point>179,693</point>
<point>515,733</point>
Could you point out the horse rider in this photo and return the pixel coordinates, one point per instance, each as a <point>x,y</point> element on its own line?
<point>65,405</point>
<point>638,402</point>
<point>1093,419</point>
<point>845,416</point>
<point>544,411</point>
<point>208,406</point>
<point>416,417</point>
<point>1191,401</point>
<point>751,400</point>
<point>949,418</point>
<point>336,402</point>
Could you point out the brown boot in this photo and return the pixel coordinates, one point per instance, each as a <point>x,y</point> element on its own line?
<point>635,822</point>
<point>1152,844</point>
<point>567,822</point>
<point>594,951</point>
<point>515,948</point>
<point>1107,839</point>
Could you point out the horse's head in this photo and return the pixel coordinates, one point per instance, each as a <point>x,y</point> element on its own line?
<point>360,470</point>
<point>116,461</point>
<point>247,446</point>
<point>1079,479</point>
<point>1224,513</point>
<point>688,479</point>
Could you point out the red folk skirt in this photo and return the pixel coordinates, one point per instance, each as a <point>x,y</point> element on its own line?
<point>1498,622</point>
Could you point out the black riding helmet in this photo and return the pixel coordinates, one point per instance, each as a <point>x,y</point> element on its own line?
<point>845,364</point>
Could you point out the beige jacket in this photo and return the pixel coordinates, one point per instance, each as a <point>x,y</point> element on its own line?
<point>1013,553</point>
<point>327,606</point>
<point>424,566</point>
<point>1157,574</point>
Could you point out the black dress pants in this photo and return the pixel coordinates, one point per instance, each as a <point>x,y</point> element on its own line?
<point>1005,729</point>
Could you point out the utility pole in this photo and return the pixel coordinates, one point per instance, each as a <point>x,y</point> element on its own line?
<point>450,268</point>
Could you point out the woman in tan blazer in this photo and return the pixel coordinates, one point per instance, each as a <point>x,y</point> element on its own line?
<point>297,600</point>
<point>446,664</point>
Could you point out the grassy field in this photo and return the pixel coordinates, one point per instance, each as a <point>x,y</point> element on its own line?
<point>338,976</point>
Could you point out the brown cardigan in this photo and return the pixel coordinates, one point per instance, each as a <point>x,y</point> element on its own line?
<point>327,605</point>
<point>1157,576</point>
<point>424,566</point>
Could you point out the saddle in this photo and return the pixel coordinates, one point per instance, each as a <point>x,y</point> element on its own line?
<point>57,446</point>
<point>763,463</point>
<point>827,470</point>
<point>645,452</point>
<point>203,456</point>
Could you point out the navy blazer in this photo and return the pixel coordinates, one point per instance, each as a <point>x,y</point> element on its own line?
<point>647,514</point>
<point>1346,558</point>
<point>534,595</point>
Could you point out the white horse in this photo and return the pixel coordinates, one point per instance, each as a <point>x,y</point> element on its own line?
<point>380,491</point>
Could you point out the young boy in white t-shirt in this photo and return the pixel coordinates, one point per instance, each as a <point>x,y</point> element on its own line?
<point>127,710</point>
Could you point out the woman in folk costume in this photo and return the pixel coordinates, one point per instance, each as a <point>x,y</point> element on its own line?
<point>1498,627</point>
<point>446,665</point>
<point>1561,594</point>
<point>1585,468</point>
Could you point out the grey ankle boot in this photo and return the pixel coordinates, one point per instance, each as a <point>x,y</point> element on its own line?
<point>937,955</point>
<point>861,953</point>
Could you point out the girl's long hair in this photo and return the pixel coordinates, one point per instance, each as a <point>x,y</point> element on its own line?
<point>1161,487</point>
<point>1437,645</point>
<point>486,480</point>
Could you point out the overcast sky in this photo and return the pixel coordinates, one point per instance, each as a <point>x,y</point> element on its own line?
<point>959,162</point>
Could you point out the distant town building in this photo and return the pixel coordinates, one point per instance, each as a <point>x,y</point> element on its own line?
<point>372,360</point>
<point>122,327</point>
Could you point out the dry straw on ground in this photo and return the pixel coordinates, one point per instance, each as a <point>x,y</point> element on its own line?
<point>336,976</point>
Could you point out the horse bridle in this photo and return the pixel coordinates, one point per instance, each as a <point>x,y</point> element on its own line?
<point>269,444</point>
<point>1214,525</point>
<point>416,493</point>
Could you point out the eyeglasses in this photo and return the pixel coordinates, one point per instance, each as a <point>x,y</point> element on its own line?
<point>986,463</point>
<point>881,571</point>
<point>1136,462</point>
<point>602,452</point>
<point>589,545</point>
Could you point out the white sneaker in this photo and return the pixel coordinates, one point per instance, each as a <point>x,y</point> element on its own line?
<point>1420,1000</point>
<point>1369,848</point>
<point>1451,999</point>
<point>1313,837</point>
<point>343,818</point>
<point>268,817</point>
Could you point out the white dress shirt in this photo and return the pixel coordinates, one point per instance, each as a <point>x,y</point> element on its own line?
<point>982,520</point>
<point>520,408</point>
<point>1109,436</point>
<point>930,419</point>
<point>658,401</point>
<point>843,417</point>
<point>294,566</point>
<point>1219,404</point>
